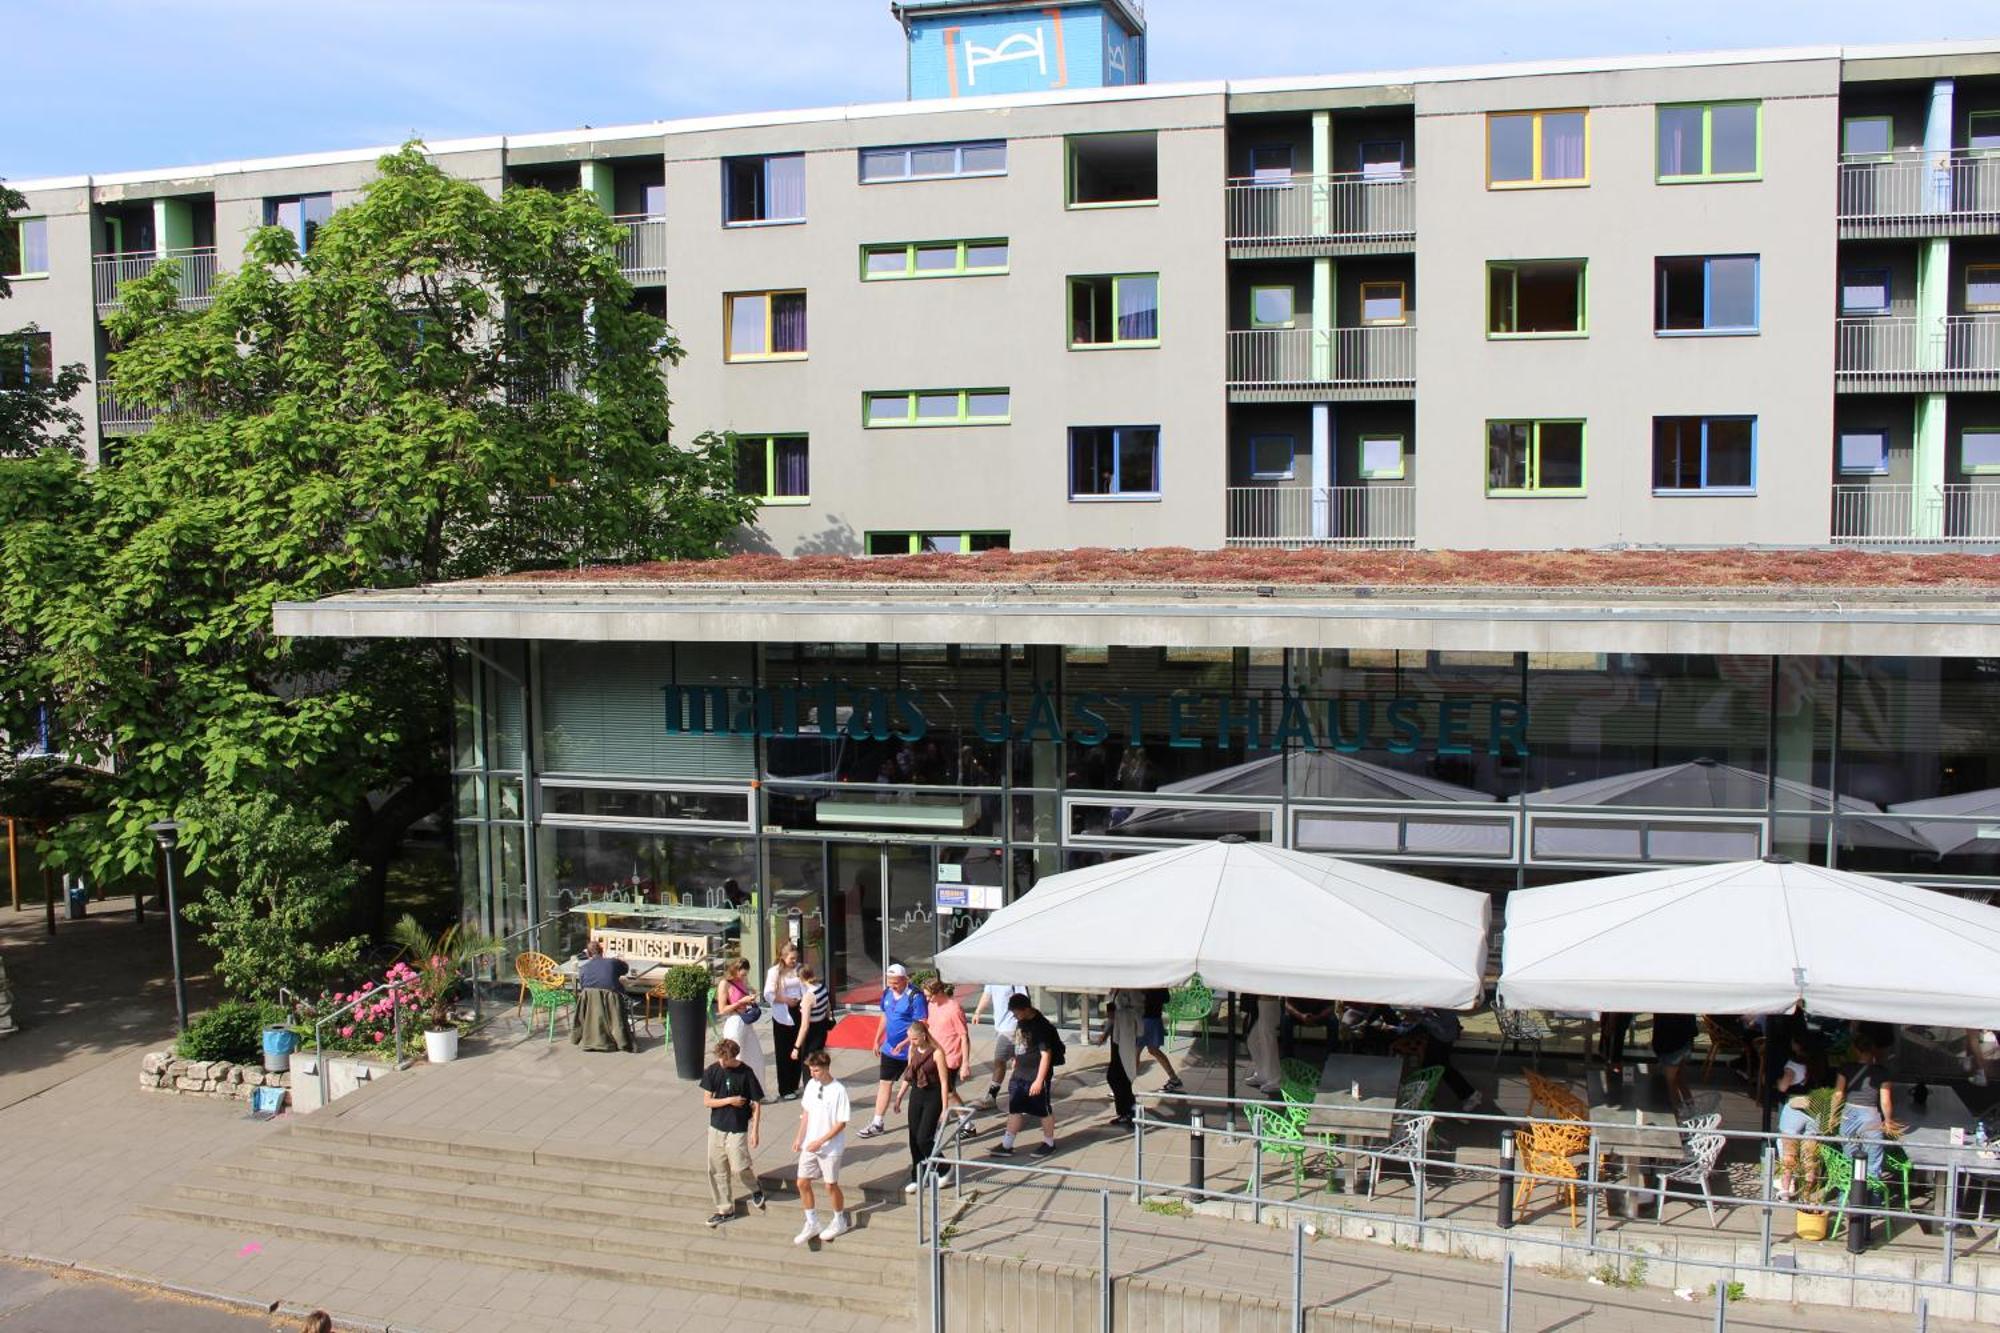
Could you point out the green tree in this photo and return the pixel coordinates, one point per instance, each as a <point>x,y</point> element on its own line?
<point>274,891</point>
<point>444,385</point>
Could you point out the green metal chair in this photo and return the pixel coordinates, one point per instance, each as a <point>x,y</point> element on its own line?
<point>1278,1133</point>
<point>1419,1090</point>
<point>1192,1003</point>
<point>1299,1075</point>
<point>553,1000</point>
<point>1838,1170</point>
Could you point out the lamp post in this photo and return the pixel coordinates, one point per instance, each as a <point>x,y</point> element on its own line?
<point>168,832</point>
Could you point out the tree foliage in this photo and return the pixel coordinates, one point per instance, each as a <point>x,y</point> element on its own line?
<point>445,385</point>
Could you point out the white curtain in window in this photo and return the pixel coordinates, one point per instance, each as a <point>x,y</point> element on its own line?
<point>785,187</point>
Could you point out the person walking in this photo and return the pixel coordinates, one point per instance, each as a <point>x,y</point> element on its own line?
<point>1673,1043</point>
<point>1431,1035</point>
<point>784,993</point>
<point>1153,1036</point>
<point>734,1097</point>
<point>1265,1062</point>
<point>1123,1018</point>
<point>946,1022</point>
<point>998,995</point>
<point>902,1005</point>
<point>1038,1049</point>
<point>816,1010</point>
<point>819,1141</point>
<point>924,1077</point>
<point>737,1005</point>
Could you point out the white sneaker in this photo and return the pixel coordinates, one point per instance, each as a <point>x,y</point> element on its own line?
<point>808,1231</point>
<point>837,1227</point>
<point>910,1188</point>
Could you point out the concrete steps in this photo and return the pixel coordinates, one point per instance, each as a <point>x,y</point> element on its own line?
<point>578,1214</point>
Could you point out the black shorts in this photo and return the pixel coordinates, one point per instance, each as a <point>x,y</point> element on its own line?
<point>1022,1102</point>
<point>890,1068</point>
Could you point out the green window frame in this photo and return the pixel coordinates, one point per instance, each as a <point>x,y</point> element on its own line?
<point>1698,120</point>
<point>968,542</point>
<point>1540,166</point>
<point>1504,313</point>
<point>24,247</point>
<point>897,261</point>
<point>1848,153</point>
<point>1989,442</point>
<point>772,342</point>
<point>1535,457</point>
<point>1382,470</point>
<point>762,472</point>
<point>935,407</point>
<point>1291,320</point>
<point>1114,310</point>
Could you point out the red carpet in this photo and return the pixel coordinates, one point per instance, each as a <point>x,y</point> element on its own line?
<point>855,1032</point>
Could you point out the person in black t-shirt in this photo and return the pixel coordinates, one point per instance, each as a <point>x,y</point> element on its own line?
<point>733,1096</point>
<point>1036,1044</point>
<point>1673,1042</point>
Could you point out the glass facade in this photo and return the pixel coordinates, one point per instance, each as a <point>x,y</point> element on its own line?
<point>839,793</point>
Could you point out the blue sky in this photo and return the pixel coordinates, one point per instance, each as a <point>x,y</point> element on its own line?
<point>109,85</point>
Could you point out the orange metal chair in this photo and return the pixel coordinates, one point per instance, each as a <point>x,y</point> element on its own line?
<point>535,969</point>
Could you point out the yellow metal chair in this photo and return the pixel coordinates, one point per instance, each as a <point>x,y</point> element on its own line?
<point>535,969</point>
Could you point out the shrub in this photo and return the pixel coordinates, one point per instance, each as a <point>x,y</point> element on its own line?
<point>233,1031</point>
<point>686,981</point>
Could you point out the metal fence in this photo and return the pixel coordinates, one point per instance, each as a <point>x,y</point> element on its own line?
<point>1380,516</point>
<point>116,416</point>
<point>1302,210</point>
<point>196,269</point>
<point>1383,354</point>
<point>1901,513</point>
<point>1895,345</point>
<point>642,250</point>
<point>1918,186</point>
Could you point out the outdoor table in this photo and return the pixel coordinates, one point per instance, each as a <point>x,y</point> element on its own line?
<point>1637,1121</point>
<point>1927,1141</point>
<point>638,976</point>
<point>1372,1117</point>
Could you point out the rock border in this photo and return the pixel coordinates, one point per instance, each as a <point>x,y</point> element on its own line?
<point>163,1071</point>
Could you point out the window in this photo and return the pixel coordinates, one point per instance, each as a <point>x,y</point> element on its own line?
<point>1534,458</point>
<point>1864,453</point>
<point>301,215</point>
<point>933,259</point>
<point>934,161</point>
<point>764,189</point>
<point>1865,291</point>
<point>1382,303</point>
<point>1706,294</point>
<point>1382,159</point>
<point>773,468</point>
<point>1114,462</point>
<point>1535,298</point>
<point>26,358</point>
<point>1713,454</point>
<point>1114,310</point>
<point>1982,287</point>
<point>1537,148</point>
<point>936,407</point>
<point>948,543</point>
<point>1114,169</point>
<point>1272,307</point>
<point>1711,141</point>
<point>1381,458</point>
<point>1982,131</point>
<point>1271,163</point>
<point>1867,136</point>
<point>764,325</point>
<point>1979,450</point>
<point>1273,457</point>
<point>24,248</point>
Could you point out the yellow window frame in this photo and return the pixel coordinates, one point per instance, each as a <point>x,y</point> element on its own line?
<point>1402,292</point>
<point>1537,180</point>
<point>729,300</point>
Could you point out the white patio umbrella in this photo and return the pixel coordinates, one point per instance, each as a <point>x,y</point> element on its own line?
<point>1950,838</point>
<point>1246,917</point>
<point>1753,937</point>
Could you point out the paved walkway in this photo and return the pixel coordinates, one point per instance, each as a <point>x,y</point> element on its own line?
<point>42,1300</point>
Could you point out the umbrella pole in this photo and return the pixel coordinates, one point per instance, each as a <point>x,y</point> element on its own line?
<point>1229,1062</point>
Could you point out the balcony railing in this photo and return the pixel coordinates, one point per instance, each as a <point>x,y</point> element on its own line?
<point>1903,514</point>
<point>1381,517</point>
<point>642,250</point>
<point>1902,347</point>
<point>117,417</point>
<point>197,274</point>
<point>1303,210</point>
<point>1916,188</point>
<point>1383,355</point>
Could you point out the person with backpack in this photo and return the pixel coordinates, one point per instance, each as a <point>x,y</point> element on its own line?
<point>1038,1053</point>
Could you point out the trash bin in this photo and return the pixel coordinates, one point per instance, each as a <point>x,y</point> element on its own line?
<point>279,1043</point>
<point>79,899</point>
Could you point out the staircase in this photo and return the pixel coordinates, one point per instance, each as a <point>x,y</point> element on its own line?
<point>579,1214</point>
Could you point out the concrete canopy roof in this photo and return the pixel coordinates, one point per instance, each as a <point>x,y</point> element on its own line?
<point>1703,602</point>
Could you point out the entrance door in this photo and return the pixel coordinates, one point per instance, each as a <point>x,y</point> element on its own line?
<point>879,911</point>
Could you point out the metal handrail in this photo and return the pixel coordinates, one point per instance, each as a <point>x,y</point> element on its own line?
<point>319,1026</point>
<point>1298,210</point>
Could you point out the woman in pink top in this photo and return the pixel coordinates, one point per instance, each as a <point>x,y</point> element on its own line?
<point>947,1024</point>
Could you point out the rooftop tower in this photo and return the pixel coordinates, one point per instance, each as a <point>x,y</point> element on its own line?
<point>975,48</point>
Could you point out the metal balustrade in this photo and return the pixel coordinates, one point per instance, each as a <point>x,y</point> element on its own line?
<point>1910,515</point>
<point>1903,351</point>
<point>1379,516</point>
<point>1323,358</point>
<point>1950,191</point>
<point>1303,210</point>
<point>642,250</point>
<point>118,417</point>
<point>196,268</point>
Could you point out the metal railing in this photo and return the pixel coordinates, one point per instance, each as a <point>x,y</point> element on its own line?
<point>1972,342</point>
<point>1379,516</point>
<point>1881,344</point>
<point>394,988</point>
<point>118,417</point>
<point>196,268</point>
<point>1382,354</point>
<point>642,250</point>
<point>1908,514</point>
<point>1301,210</point>
<point>1917,186</point>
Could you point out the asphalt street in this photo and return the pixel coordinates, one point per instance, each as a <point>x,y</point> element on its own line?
<point>40,1300</point>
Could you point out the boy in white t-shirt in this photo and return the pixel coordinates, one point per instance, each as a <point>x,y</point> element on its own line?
<point>821,1137</point>
<point>1004,1024</point>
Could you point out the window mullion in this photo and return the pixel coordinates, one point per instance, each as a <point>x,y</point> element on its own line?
<point>1535,140</point>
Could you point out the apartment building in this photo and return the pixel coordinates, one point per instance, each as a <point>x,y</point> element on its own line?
<point>1718,299</point>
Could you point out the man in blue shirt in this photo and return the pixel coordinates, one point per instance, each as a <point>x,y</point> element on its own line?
<point>902,1004</point>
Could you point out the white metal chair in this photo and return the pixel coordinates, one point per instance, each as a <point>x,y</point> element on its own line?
<point>1520,1027</point>
<point>1703,1151</point>
<point>1702,1123</point>
<point>1411,1146</point>
<point>1702,1106</point>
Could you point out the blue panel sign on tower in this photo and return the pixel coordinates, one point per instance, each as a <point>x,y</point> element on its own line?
<point>959,48</point>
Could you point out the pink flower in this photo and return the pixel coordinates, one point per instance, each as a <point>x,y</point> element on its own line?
<point>379,1036</point>
<point>347,1031</point>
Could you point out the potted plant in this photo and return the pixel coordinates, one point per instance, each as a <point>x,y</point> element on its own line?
<point>438,960</point>
<point>687,986</point>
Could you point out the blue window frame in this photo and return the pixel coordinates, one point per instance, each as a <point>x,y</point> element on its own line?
<point>1114,462</point>
<point>299,214</point>
<point>1864,453</point>
<point>1273,457</point>
<point>1706,294</point>
<point>1710,455</point>
<point>1865,291</point>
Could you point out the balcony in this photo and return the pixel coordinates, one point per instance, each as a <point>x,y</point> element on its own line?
<point>642,250</point>
<point>115,417</point>
<point>1381,517</point>
<point>1905,354</point>
<point>197,274</point>
<point>1906,515</point>
<point>1323,365</point>
<point>1353,214</point>
<point>1914,193</point>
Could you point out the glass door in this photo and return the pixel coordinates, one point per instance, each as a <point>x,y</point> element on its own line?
<point>908,919</point>
<point>880,909</point>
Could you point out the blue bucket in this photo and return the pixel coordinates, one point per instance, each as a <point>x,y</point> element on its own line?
<point>279,1043</point>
